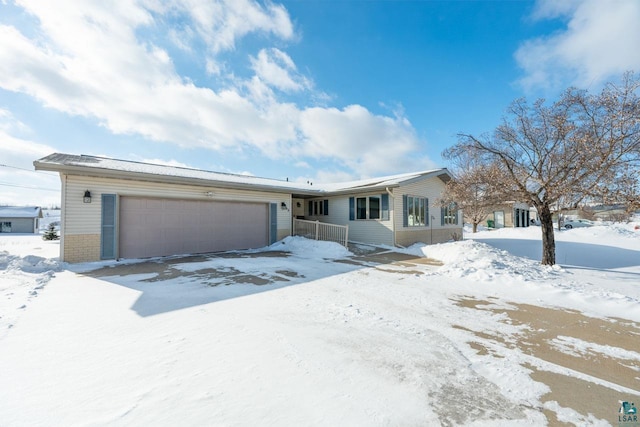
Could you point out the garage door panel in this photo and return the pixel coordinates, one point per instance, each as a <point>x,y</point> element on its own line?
<point>159,227</point>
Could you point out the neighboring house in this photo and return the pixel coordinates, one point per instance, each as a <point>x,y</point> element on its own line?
<point>611,212</point>
<point>115,209</point>
<point>509,214</point>
<point>19,219</point>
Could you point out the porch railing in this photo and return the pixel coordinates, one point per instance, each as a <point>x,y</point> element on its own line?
<point>321,231</point>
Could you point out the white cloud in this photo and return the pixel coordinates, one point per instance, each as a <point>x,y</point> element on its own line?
<point>366,143</point>
<point>221,23</point>
<point>600,41</point>
<point>277,69</point>
<point>87,59</point>
<point>19,183</point>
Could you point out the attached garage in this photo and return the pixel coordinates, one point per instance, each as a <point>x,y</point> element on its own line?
<point>117,209</point>
<point>150,227</point>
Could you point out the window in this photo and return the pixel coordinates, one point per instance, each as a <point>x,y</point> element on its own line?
<point>374,207</point>
<point>5,227</point>
<point>318,207</point>
<point>370,207</point>
<point>361,212</point>
<point>449,214</point>
<point>416,211</point>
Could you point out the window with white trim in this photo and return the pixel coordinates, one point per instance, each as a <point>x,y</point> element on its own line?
<point>416,211</point>
<point>369,207</point>
<point>318,207</point>
<point>450,214</point>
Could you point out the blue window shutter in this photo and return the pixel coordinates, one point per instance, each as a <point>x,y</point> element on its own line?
<point>108,227</point>
<point>326,207</point>
<point>352,209</point>
<point>384,202</point>
<point>273,223</point>
<point>405,216</point>
<point>442,209</point>
<point>427,218</point>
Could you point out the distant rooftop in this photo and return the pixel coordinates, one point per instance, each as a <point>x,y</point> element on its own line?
<point>20,212</point>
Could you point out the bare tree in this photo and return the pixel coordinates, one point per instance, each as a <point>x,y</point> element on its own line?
<point>471,188</point>
<point>581,146</point>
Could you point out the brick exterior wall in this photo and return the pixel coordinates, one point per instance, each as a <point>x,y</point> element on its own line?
<point>81,247</point>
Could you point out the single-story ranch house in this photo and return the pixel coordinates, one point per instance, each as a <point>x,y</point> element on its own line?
<point>113,209</point>
<point>19,219</point>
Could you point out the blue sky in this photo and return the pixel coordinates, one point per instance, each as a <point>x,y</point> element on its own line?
<point>307,90</point>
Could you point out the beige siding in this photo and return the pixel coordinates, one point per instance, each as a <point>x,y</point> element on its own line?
<point>81,221</point>
<point>434,231</point>
<point>508,209</point>
<point>437,235</point>
<point>84,218</point>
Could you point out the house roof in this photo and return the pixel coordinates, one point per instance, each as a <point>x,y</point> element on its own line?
<point>20,212</point>
<point>106,167</point>
<point>383,182</point>
<point>115,168</point>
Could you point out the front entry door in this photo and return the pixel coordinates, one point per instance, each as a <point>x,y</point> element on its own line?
<point>499,216</point>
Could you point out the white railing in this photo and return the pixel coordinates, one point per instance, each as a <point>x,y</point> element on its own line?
<point>321,231</point>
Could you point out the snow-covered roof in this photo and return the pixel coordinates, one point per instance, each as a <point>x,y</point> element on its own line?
<point>384,181</point>
<point>101,166</point>
<point>20,212</point>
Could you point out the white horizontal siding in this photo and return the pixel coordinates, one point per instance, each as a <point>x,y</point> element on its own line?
<point>432,189</point>
<point>364,231</point>
<point>20,225</point>
<point>84,218</point>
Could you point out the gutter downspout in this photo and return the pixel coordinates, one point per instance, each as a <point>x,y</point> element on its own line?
<point>63,213</point>
<point>392,217</point>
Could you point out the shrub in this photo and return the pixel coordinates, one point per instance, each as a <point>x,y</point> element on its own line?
<point>51,233</point>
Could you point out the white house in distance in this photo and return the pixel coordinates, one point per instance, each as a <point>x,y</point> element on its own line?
<point>19,219</point>
<point>113,209</point>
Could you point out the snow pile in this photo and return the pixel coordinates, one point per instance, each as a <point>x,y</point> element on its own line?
<point>307,248</point>
<point>28,263</point>
<point>21,280</point>
<point>481,262</point>
<point>239,337</point>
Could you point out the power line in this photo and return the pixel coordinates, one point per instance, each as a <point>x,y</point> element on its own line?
<point>28,170</point>
<point>6,184</point>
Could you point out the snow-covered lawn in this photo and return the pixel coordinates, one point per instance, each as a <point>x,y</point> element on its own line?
<point>308,334</point>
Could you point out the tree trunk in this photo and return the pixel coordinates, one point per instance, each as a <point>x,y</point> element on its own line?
<point>548,237</point>
<point>475,227</point>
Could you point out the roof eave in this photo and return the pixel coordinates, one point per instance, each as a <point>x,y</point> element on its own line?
<point>165,179</point>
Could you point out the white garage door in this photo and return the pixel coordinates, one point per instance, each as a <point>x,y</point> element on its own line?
<point>160,227</point>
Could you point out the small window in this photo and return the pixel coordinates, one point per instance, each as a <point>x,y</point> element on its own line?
<point>450,214</point>
<point>361,211</point>
<point>374,207</point>
<point>5,227</point>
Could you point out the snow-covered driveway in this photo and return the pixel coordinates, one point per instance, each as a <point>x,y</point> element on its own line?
<point>309,335</point>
